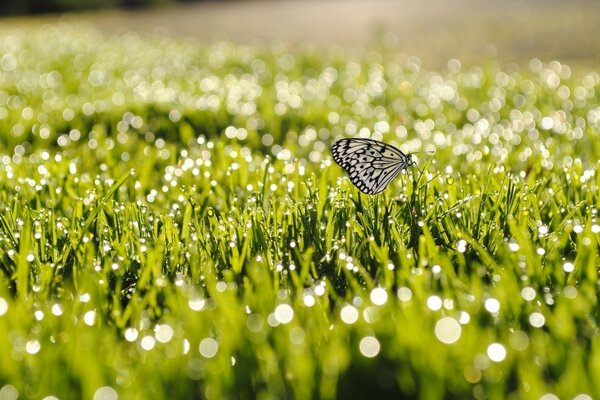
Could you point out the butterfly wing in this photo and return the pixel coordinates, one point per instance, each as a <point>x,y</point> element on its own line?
<point>371,164</point>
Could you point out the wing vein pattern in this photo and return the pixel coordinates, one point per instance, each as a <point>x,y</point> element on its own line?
<point>371,164</point>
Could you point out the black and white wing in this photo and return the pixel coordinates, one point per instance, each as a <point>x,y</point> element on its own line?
<point>372,164</point>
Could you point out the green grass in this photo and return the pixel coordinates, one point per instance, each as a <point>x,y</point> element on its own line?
<point>173,225</point>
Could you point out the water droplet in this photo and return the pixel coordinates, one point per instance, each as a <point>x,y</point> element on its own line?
<point>84,298</point>
<point>537,319</point>
<point>549,396</point>
<point>568,267</point>
<point>284,313</point>
<point>570,292</point>
<point>528,293</point>
<point>163,333</point>
<point>297,335</point>
<point>349,314</point>
<point>448,330</point>
<point>147,343</point>
<point>254,323</point>
<point>89,318</point>
<point>309,300</point>
<point>319,290</point>
<point>56,310</point>
<point>582,396</point>
<point>131,334</point>
<point>378,296</point>
<point>3,306</point>
<point>492,305</point>
<point>105,393</point>
<point>518,340</point>
<point>513,246</point>
<point>208,347</point>
<point>434,303</point>
<point>33,346</point>
<point>496,352</point>
<point>9,392</point>
<point>369,346</point>
<point>197,304</point>
<point>404,294</point>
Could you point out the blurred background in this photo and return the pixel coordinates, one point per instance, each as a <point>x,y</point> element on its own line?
<point>433,30</point>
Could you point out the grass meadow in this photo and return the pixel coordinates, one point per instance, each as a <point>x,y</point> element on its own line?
<point>173,226</point>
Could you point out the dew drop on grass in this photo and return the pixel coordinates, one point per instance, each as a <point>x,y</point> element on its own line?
<point>84,298</point>
<point>320,288</point>
<point>472,374</point>
<point>284,313</point>
<point>369,346</point>
<point>221,286</point>
<point>131,334</point>
<point>378,296</point>
<point>147,343</point>
<point>570,292</point>
<point>528,293</point>
<point>349,314</point>
<point>33,346</point>
<point>371,314</point>
<point>537,319</point>
<point>492,305</point>
<point>518,340</point>
<point>9,392</point>
<point>208,347</point>
<point>568,267</point>
<point>89,318</point>
<point>163,333</point>
<point>56,310</point>
<point>3,306</point>
<point>297,335</point>
<point>434,303</point>
<point>404,294</point>
<point>254,323</point>
<point>105,393</point>
<point>197,304</point>
<point>464,318</point>
<point>583,396</point>
<point>496,352</point>
<point>448,330</point>
<point>309,300</point>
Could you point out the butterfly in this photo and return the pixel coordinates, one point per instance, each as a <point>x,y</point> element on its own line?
<point>371,164</point>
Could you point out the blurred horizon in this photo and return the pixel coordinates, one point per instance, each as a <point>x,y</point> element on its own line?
<point>435,31</point>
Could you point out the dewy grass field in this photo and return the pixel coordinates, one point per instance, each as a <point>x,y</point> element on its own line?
<point>173,225</point>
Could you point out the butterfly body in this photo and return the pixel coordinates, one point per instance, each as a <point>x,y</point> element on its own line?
<point>371,164</point>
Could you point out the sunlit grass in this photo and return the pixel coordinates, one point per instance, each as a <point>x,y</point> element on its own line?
<point>173,226</point>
